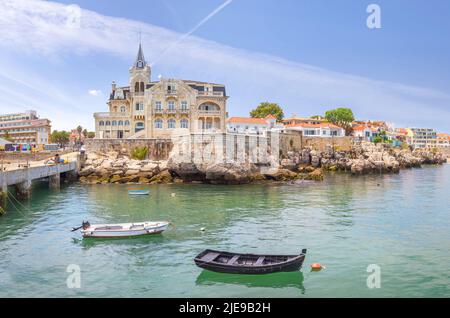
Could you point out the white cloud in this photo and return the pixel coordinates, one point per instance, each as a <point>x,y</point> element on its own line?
<point>41,27</point>
<point>95,92</point>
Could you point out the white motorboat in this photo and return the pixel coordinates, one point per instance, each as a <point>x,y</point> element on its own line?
<point>122,229</point>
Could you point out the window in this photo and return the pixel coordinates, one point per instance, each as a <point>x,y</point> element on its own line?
<point>171,123</point>
<point>184,123</point>
<point>140,106</point>
<point>139,126</point>
<point>184,105</point>
<point>158,124</point>
<point>122,109</point>
<point>108,123</point>
<point>127,123</point>
<point>171,88</point>
<point>120,123</point>
<point>114,123</point>
<point>101,123</point>
<point>171,105</point>
<point>158,105</point>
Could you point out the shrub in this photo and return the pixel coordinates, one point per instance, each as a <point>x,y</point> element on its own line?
<point>377,139</point>
<point>139,153</point>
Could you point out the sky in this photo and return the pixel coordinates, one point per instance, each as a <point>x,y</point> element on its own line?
<point>60,58</point>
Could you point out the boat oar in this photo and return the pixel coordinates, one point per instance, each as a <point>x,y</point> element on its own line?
<point>76,228</point>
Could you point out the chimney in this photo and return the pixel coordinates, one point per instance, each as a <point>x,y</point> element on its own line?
<point>113,86</point>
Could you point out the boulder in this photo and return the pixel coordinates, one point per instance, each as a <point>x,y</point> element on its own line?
<point>131,172</point>
<point>231,173</point>
<point>115,179</point>
<point>316,175</point>
<point>162,177</point>
<point>143,180</point>
<point>282,175</point>
<point>86,171</point>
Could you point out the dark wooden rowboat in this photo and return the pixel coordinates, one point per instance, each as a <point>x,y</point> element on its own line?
<point>235,263</point>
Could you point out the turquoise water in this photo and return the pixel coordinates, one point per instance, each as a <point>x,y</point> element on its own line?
<point>399,222</point>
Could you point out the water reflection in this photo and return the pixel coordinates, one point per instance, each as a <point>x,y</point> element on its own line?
<point>131,242</point>
<point>275,280</point>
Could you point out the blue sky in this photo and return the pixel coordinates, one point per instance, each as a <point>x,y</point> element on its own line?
<point>309,56</point>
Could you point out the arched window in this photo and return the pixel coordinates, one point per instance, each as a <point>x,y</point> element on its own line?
<point>101,123</point>
<point>139,126</point>
<point>122,109</point>
<point>171,123</point>
<point>209,107</point>
<point>171,105</point>
<point>184,123</point>
<point>158,123</point>
<point>114,123</point>
<point>120,122</point>
<point>136,87</point>
<point>127,123</point>
<point>142,86</point>
<point>108,123</point>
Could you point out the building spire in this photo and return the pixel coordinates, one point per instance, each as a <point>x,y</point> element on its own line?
<point>140,59</point>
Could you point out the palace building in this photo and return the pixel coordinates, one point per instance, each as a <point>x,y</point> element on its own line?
<point>158,109</point>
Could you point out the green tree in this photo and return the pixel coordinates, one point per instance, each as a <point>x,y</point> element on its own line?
<point>342,117</point>
<point>79,130</point>
<point>267,108</point>
<point>91,135</point>
<point>60,137</point>
<point>85,133</point>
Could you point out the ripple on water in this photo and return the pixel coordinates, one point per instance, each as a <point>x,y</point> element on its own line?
<point>399,222</point>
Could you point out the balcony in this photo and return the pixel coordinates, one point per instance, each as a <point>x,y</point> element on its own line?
<point>209,93</point>
<point>111,115</point>
<point>171,92</point>
<point>209,112</point>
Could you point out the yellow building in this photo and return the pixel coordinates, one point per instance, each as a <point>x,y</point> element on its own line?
<point>158,109</point>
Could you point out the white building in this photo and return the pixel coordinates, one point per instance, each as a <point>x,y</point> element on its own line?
<point>317,130</point>
<point>423,138</point>
<point>247,125</point>
<point>365,132</point>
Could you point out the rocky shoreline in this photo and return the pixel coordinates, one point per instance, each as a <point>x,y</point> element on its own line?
<point>307,164</point>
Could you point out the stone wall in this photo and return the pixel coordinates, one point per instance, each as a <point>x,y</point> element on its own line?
<point>295,141</point>
<point>445,151</point>
<point>322,143</point>
<point>158,149</point>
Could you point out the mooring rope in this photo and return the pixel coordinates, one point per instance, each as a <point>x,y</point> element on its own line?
<point>18,202</point>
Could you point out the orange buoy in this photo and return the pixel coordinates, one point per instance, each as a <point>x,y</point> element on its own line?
<point>316,267</point>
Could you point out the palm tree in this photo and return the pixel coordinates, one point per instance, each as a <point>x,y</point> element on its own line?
<point>79,130</point>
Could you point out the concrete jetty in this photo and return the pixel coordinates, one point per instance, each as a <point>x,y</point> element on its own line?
<point>22,178</point>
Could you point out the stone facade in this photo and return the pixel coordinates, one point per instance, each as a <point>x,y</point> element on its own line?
<point>159,109</point>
